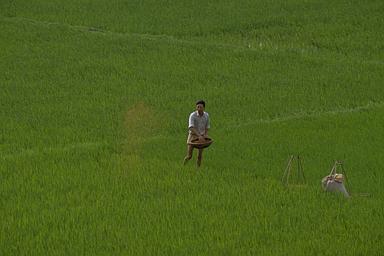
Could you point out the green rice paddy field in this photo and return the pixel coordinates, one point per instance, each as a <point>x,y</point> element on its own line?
<point>95,98</point>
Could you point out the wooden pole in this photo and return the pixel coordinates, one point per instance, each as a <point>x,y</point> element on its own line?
<point>287,171</point>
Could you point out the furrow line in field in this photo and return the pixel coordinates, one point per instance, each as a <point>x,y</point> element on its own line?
<point>145,36</point>
<point>95,145</point>
<point>301,115</point>
<point>59,149</point>
<point>175,40</point>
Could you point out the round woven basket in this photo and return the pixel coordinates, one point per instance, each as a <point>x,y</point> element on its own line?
<point>198,144</point>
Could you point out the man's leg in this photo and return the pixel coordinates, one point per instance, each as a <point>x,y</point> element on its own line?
<point>199,157</point>
<point>189,154</point>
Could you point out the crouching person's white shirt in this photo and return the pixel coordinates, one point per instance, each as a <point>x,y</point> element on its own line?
<point>331,184</point>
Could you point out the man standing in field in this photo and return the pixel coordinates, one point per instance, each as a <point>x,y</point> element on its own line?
<point>198,129</point>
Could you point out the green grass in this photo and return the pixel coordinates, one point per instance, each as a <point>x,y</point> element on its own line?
<point>95,98</point>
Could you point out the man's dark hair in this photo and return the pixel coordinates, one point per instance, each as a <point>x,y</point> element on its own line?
<point>200,102</point>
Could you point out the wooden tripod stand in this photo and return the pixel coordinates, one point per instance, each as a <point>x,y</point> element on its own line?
<point>289,174</point>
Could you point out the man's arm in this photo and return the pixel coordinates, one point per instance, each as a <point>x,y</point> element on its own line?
<point>193,130</point>
<point>191,122</point>
<point>207,126</point>
<point>206,132</point>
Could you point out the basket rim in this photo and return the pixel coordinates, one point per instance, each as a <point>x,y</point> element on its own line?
<point>207,141</point>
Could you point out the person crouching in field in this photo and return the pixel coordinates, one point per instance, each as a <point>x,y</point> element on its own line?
<point>198,129</point>
<point>334,183</point>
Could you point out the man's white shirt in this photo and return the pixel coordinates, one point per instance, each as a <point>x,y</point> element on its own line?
<point>200,123</point>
